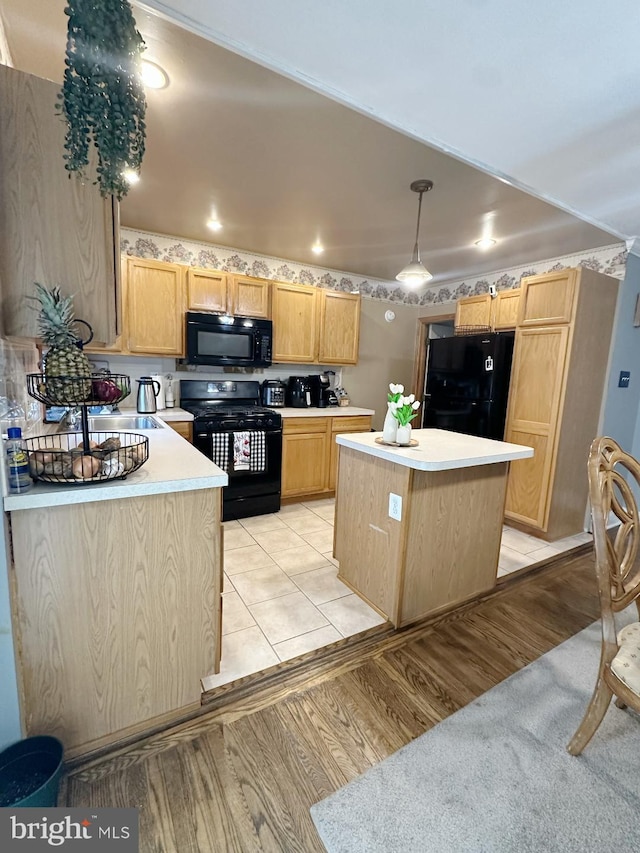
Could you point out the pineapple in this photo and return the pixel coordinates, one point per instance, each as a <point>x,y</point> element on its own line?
<point>64,357</point>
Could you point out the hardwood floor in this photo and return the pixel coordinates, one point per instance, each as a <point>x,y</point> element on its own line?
<point>243,776</point>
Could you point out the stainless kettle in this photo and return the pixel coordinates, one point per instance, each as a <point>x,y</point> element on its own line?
<point>148,390</point>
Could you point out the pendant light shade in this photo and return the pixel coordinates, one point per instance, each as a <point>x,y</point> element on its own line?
<point>415,273</point>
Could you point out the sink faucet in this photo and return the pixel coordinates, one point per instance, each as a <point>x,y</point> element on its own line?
<point>71,418</point>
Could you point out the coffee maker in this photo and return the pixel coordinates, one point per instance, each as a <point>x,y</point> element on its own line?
<point>298,392</point>
<point>319,388</point>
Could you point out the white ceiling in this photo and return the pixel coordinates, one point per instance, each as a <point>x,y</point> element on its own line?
<point>283,164</point>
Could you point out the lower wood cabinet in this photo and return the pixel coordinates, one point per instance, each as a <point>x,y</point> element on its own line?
<point>310,452</point>
<point>183,428</point>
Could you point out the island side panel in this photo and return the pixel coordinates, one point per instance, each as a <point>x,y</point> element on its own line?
<point>116,611</point>
<point>368,544</point>
<point>453,540</point>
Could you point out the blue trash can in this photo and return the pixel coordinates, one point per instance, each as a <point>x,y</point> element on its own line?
<point>30,772</point>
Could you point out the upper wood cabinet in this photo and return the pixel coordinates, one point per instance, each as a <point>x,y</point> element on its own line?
<point>314,325</point>
<point>207,290</point>
<point>250,297</point>
<point>474,311</point>
<point>155,307</point>
<point>54,229</point>
<point>295,323</point>
<point>548,299</point>
<point>505,310</point>
<point>557,384</point>
<point>239,295</point>
<point>339,327</point>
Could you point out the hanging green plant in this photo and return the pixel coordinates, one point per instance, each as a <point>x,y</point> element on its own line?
<point>102,95</point>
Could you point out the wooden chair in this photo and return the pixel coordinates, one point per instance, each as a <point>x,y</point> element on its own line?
<point>611,472</point>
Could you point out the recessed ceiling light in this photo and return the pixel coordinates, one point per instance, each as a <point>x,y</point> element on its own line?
<point>317,248</point>
<point>131,176</point>
<point>153,76</point>
<point>214,224</point>
<point>485,243</point>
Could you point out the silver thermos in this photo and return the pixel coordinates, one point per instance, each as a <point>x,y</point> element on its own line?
<point>148,390</point>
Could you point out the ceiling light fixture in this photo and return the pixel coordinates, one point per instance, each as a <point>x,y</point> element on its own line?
<point>153,76</point>
<point>415,273</point>
<point>317,248</point>
<point>131,176</point>
<point>485,243</point>
<point>214,224</point>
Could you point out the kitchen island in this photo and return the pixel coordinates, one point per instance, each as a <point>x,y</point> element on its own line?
<point>442,548</point>
<point>116,597</point>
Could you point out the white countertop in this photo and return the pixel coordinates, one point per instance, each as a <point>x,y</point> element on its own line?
<point>175,414</point>
<point>174,465</point>
<point>437,450</point>
<point>326,412</point>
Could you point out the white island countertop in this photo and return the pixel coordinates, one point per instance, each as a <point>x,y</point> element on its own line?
<point>174,465</point>
<point>437,449</point>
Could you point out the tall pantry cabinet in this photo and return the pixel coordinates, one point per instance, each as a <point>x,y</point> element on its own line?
<point>562,343</point>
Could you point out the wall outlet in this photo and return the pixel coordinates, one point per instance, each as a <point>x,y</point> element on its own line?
<point>395,506</point>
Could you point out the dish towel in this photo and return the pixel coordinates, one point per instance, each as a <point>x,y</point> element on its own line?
<point>220,450</point>
<point>257,453</point>
<point>241,451</point>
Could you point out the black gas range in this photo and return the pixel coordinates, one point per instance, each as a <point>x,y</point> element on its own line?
<point>241,437</point>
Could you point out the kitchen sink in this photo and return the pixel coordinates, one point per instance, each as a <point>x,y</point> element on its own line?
<point>121,423</point>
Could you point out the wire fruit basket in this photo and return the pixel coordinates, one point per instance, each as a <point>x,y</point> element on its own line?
<point>83,457</point>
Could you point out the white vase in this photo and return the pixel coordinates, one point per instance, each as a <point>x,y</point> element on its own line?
<point>403,435</point>
<point>390,426</point>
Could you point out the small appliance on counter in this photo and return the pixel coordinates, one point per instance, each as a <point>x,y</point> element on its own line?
<point>330,392</point>
<point>148,390</point>
<point>319,389</point>
<point>298,392</point>
<point>273,392</point>
<point>160,396</point>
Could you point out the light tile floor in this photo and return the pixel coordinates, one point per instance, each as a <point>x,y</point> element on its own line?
<point>282,597</point>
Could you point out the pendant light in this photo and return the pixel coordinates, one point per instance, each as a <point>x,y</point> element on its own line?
<point>415,273</point>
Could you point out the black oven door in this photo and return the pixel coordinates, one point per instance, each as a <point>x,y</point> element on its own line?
<point>249,492</point>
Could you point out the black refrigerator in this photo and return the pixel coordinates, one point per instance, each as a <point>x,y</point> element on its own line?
<point>467,384</point>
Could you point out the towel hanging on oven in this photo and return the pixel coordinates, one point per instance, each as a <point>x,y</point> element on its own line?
<point>241,451</point>
<point>220,450</point>
<point>257,453</point>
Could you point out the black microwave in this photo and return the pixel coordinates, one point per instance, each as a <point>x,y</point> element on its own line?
<point>228,341</point>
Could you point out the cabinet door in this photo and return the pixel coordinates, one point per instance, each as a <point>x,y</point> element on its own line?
<point>295,313</point>
<point>183,428</point>
<point>155,307</point>
<point>474,311</point>
<point>207,290</point>
<point>537,385</point>
<point>547,298</point>
<point>250,297</point>
<point>304,463</point>
<point>54,229</point>
<point>343,425</point>
<point>339,327</point>
<point>507,304</point>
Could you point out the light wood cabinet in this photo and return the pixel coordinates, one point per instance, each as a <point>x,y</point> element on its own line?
<point>474,311</point>
<point>304,456</point>
<point>339,426</point>
<point>505,310</point>
<point>549,298</point>
<point>155,307</point>
<point>250,297</point>
<point>557,384</point>
<point>183,428</point>
<point>207,290</point>
<point>239,295</point>
<point>312,325</point>
<point>339,327</point>
<point>310,452</point>
<point>295,323</point>
<point>55,230</point>
<point>116,608</point>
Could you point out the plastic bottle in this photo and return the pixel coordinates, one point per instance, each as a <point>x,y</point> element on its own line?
<point>18,477</point>
<point>168,393</point>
